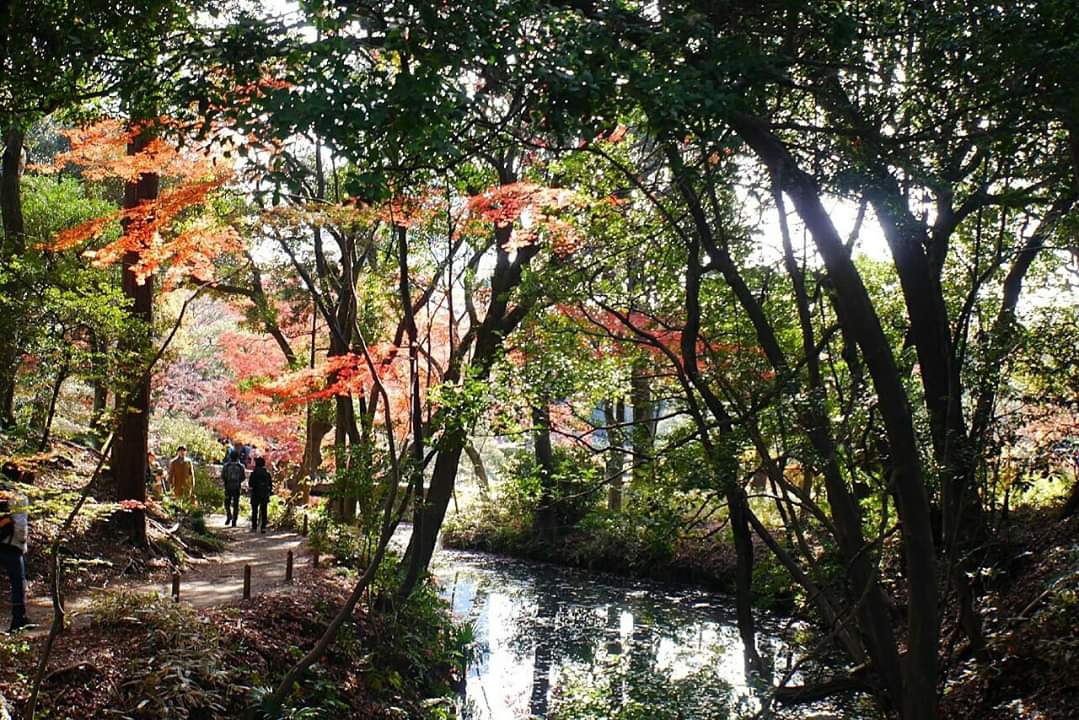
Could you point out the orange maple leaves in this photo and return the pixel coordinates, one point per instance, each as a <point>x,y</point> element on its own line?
<point>158,230</point>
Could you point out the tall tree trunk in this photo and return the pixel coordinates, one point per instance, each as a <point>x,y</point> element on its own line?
<point>915,691</point>
<point>312,451</point>
<point>644,431</point>
<point>743,548</point>
<point>346,432</point>
<point>614,468</point>
<point>546,516</point>
<point>13,244</point>
<point>414,404</point>
<point>133,408</point>
<point>499,322</point>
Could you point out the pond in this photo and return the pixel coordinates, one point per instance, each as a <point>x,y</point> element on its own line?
<point>561,643</point>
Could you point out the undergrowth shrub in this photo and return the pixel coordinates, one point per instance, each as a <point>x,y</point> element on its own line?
<point>180,668</point>
<point>284,514</point>
<point>209,490</point>
<point>340,540</point>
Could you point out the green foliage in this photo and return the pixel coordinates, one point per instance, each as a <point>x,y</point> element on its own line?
<point>622,690</point>
<point>170,432</point>
<point>63,314</point>
<point>209,491</point>
<point>772,585</point>
<point>508,519</point>
<point>198,522</point>
<point>330,537</point>
<point>644,535</point>
<point>420,641</point>
<point>459,408</point>
<point>282,514</point>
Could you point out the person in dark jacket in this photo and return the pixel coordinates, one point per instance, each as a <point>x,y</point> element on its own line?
<point>232,477</point>
<point>14,533</point>
<point>261,489</point>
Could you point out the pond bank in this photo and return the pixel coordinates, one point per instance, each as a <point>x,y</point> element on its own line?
<point>690,560</point>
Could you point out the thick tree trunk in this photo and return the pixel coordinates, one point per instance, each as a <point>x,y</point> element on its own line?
<point>133,408</point>
<point>499,322</point>
<point>345,432</point>
<point>743,548</point>
<point>10,196</point>
<point>13,244</point>
<point>546,516</point>
<point>312,453</point>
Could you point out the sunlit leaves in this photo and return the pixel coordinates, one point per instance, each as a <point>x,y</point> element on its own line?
<point>155,230</point>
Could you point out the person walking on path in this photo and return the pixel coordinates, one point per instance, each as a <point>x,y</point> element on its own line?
<point>14,533</point>
<point>181,475</point>
<point>261,489</point>
<point>232,477</point>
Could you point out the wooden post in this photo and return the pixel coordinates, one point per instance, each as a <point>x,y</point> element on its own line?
<point>314,558</point>
<point>304,525</point>
<point>247,582</point>
<point>288,567</point>
<point>176,587</point>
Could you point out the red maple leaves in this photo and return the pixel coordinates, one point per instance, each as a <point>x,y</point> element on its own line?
<point>533,211</point>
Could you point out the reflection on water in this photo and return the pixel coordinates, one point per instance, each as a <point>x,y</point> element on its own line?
<point>560,643</point>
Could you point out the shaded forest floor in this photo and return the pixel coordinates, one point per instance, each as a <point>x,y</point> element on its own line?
<point>146,658</point>
<point>130,651</point>
<point>1030,608</point>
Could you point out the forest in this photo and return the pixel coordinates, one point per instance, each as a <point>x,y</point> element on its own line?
<point>673,360</point>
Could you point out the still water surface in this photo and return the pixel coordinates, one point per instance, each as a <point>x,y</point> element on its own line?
<point>556,642</point>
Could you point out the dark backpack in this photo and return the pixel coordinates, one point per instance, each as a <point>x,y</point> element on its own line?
<point>234,476</point>
<point>7,522</point>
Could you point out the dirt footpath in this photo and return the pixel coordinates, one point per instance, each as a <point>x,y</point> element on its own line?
<point>206,582</point>
<point>219,579</point>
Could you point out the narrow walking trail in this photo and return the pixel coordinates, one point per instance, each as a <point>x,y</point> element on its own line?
<point>218,579</point>
<point>206,582</point>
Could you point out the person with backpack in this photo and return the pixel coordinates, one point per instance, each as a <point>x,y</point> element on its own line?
<point>14,532</point>
<point>232,476</point>
<point>261,489</point>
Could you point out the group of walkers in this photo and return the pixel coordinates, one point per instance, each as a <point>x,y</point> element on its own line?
<point>241,463</point>
<point>178,479</point>
<point>260,484</point>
